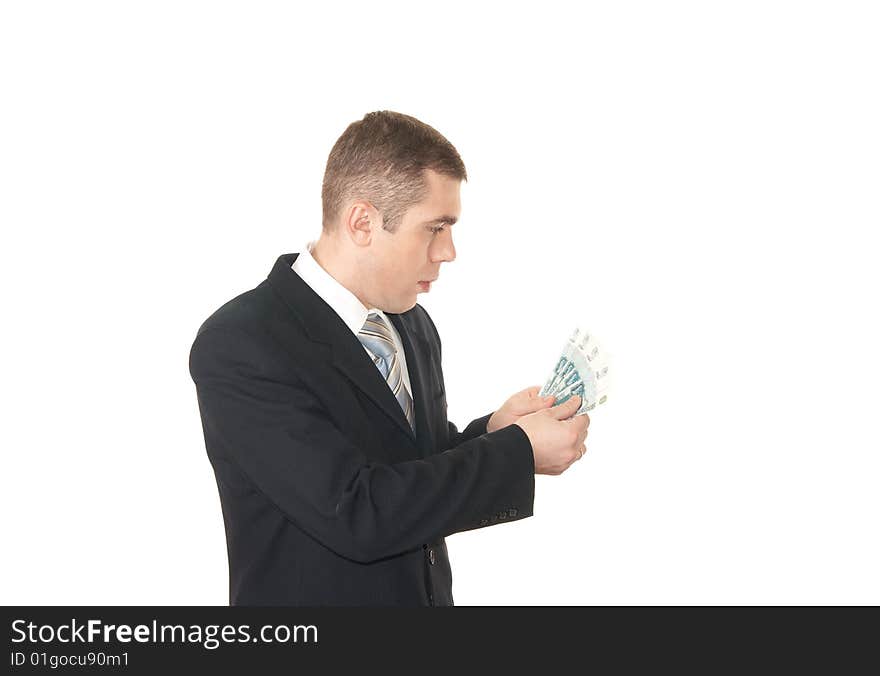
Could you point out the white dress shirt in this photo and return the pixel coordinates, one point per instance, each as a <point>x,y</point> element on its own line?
<point>345,303</point>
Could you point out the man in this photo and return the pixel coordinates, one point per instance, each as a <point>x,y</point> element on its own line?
<point>323,403</point>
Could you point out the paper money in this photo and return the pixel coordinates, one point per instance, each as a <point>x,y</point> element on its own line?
<point>581,370</point>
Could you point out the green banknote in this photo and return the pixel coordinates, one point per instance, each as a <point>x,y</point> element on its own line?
<point>581,370</point>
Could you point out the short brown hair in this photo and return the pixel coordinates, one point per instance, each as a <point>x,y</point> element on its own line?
<point>382,159</point>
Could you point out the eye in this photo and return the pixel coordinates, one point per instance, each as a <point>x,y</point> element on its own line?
<point>438,228</point>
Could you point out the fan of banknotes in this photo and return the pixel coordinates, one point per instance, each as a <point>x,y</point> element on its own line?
<point>582,371</point>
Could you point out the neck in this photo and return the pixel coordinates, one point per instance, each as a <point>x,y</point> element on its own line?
<point>336,263</point>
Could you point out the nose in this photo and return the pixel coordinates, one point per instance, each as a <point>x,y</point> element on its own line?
<point>442,248</point>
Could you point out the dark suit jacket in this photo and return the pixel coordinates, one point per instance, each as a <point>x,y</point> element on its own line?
<point>327,497</point>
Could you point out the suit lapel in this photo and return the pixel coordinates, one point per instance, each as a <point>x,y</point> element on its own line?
<point>416,349</point>
<point>322,325</point>
<point>352,360</point>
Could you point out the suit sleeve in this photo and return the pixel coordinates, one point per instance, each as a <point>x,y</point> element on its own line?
<point>474,429</point>
<point>256,413</point>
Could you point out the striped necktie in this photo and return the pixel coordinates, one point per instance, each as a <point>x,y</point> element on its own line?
<point>376,337</point>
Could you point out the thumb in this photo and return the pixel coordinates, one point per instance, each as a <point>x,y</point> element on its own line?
<point>567,408</point>
<point>539,401</point>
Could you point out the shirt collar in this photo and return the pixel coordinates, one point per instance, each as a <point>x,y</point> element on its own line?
<point>343,301</point>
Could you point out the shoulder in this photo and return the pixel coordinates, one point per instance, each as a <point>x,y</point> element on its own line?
<point>241,324</point>
<point>246,311</point>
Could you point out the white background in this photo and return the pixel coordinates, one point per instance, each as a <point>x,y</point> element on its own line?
<point>695,182</point>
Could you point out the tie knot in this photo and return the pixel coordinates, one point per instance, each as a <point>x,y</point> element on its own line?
<point>377,336</point>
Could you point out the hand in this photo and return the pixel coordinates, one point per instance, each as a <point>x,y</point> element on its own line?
<point>557,438</point>
<point>522,403</point>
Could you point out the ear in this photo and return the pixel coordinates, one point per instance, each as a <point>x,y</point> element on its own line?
<point>362,220</point>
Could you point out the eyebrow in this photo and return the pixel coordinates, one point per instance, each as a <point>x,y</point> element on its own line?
<point>441,219</point>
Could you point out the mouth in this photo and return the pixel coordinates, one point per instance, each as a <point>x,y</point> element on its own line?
<point>425,285</point>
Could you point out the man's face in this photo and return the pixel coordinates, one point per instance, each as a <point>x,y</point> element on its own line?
<point>401,263</point>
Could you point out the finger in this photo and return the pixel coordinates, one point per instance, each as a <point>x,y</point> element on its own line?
<point>538,402</point>
<point>582,451</point>
<point>580,426</point>
<point>583,423</point>
<point>567,408</point>
<point>585,428</point>
<point>532,401</point>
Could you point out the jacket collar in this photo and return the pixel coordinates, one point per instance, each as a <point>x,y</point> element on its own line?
<point>324,327</point>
